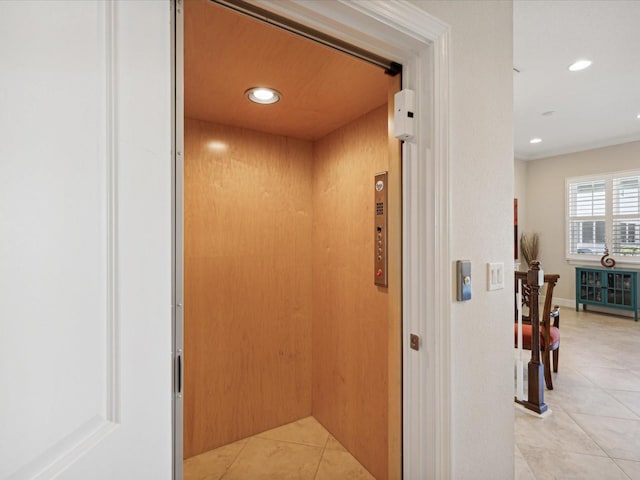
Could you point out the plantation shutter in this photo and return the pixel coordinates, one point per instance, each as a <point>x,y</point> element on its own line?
<point>625,238</point>
<point>587,216</point>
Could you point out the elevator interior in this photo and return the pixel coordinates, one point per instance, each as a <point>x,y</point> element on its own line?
<point>282,317</point>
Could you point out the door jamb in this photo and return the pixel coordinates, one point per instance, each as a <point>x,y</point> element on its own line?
<point>177,214</point>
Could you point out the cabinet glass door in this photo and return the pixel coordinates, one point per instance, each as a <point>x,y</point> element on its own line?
<point>619,289</point>
<point>591,286</point>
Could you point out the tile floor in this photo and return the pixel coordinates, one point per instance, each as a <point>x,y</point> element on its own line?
<point>301,450</point>
<point>593,431</point>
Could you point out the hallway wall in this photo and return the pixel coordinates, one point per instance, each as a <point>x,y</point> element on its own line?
<point>481,230</point>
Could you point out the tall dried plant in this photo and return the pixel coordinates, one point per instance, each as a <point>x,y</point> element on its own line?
<point>529,246</point>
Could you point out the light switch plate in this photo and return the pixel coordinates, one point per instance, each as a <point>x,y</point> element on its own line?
<point>495,276</point>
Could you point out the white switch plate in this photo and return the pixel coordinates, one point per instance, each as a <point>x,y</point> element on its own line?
<point>495,276</point>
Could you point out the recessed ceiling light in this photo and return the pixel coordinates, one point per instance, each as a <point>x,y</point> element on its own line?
<point>638,116</point>
<point>580,65</point>
<point>535,140</point>
<point>263,95</point>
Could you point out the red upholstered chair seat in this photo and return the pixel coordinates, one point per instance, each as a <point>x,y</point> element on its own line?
<point>554,336</point>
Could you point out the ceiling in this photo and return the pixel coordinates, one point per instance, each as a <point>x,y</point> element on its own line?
<point>593,108</point>
<point>227,53</point>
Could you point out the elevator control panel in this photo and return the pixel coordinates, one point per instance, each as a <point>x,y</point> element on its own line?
<point>380,230</point>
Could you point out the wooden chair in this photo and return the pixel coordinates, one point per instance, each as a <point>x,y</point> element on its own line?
<point>549,324</point>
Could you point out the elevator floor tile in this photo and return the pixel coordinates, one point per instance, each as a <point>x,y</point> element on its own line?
<point>301,450</point>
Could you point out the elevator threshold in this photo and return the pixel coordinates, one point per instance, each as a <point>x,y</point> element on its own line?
<point>301,450</point>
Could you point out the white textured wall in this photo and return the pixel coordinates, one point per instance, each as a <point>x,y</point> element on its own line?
<point>482,177</point>
<point>546,198</point>
<point>520,192</point>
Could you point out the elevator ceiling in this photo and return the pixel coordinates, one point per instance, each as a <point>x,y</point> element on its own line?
<point>226,53</point>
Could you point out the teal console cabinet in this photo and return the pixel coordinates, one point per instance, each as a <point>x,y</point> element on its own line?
<point>607,287</point>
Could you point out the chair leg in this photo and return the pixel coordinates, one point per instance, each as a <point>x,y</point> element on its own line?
<point>556,354</point>
<point>546,357</point>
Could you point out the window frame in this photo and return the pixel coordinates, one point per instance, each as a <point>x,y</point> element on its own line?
<point>609,218</point>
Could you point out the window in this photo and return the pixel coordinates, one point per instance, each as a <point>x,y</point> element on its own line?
<point>626,215</point>
<point>604,211</point>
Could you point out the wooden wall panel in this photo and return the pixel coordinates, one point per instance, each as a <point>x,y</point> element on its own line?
<point>350,313</point>
<point>247,283</point>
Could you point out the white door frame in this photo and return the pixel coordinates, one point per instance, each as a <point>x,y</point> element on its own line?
<point>403,32</point>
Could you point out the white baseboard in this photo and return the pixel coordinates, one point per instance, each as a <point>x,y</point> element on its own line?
<point>563,302</point>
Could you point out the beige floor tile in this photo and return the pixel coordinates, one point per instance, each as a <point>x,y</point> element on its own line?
<point>307,431</point>
<point>632,469</point>
<point>522,470</point>
<point>212,465</point>
<point>596,397</point>
<point>630,399</point>
<point>340,465</point>
<point>572,357</point>
<point>265,459</point>
<point>631,359</point>
<point>618,438</point>
<point>549,464</point>
<point>558,432</point>
<point>628,355</point>
<point>588,400</point>
<point>569,377</point>
<point>613,378</point>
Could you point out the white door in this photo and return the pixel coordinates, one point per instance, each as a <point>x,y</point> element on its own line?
<point>85,240</point>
